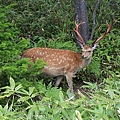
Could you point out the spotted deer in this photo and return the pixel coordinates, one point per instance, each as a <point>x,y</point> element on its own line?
<point>66,63</point>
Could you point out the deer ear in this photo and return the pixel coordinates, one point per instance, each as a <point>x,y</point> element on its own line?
<point>94,46</point>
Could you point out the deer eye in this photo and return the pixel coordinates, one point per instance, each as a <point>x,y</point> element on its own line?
<point>89,51</point>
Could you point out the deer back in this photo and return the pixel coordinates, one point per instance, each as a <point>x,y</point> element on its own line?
<point>58,61</point>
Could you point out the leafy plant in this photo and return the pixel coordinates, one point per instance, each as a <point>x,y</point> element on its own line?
<point>51,103</point>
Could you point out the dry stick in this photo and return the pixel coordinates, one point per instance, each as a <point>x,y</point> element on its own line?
<point>94,16</point>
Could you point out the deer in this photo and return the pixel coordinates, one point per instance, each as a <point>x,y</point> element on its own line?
<point>65,63</point>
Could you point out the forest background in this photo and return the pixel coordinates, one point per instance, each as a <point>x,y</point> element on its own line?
<point>25,94</point>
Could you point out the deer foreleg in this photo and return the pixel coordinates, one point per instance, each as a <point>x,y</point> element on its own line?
<point>59,78</point>
<point>69,80</point>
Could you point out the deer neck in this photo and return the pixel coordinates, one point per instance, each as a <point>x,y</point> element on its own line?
<point>86,62</point>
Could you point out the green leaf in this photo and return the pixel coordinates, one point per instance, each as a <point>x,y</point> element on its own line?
<point>12,83</point>
<point>31,89</point>
<point>100,108</point>
<point>18,87</point>
<point>61,96</point>
<point>23,99</point>
<point>70,95</point>
<point>65,113</point>
<point>33,111</point>
<point>111,93</point>
<point>108,58</point>
<point>78,115</point>
<point>25,92</point>
<point>34,95</point>
<point>56,111</point>
<point>64,104</point>
<point>6,107</point>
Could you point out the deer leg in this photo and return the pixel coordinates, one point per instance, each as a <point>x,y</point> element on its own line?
<point>59,78</point>
<point>69,81</point>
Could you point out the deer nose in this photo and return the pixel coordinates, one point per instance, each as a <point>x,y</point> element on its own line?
<point>82,56</point>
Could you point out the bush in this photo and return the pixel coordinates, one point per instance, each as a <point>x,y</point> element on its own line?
<point>42,18</point>
<point>10,49</point>
<point>41,103</point>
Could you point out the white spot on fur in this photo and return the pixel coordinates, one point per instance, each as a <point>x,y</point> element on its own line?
<point>40,53</point>
<point>37,51</point>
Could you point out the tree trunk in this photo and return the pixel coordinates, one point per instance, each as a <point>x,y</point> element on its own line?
<point>81,15</point>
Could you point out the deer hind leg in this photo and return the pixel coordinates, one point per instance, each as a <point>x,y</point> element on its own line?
<point>59,78</point>
<point>69,81</point>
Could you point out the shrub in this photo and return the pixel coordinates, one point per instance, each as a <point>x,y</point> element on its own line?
<point>10,49</point>
<point>41,103</point>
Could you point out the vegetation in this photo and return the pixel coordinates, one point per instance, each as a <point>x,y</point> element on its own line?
<point>25,94</point>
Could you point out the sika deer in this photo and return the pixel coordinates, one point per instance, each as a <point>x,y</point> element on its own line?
<point>66,63</point>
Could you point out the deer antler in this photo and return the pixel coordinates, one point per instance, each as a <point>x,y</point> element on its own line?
<point>103,35</point>
<point>76,30</point>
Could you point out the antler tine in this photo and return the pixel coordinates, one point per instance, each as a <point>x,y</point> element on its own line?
<point>106,32</point>
<point>76,30</point>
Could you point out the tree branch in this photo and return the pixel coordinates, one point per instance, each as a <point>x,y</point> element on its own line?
<point>94,17</point>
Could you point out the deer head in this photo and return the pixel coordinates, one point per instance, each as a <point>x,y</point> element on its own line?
<point>87,51</point>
